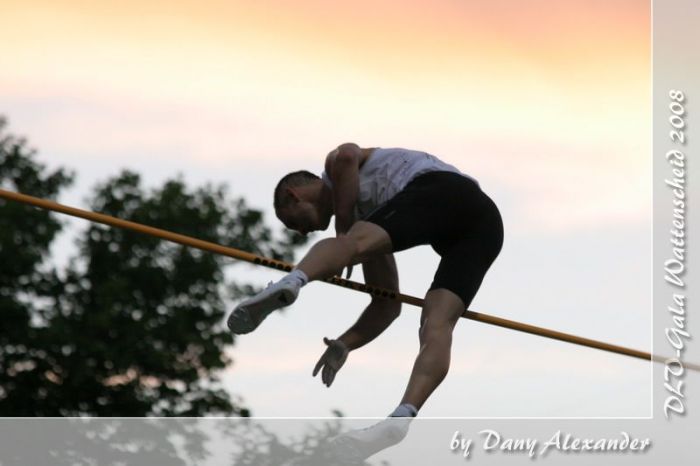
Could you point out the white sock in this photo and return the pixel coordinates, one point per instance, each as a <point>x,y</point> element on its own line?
<point>299,276</point>
<point>404,410</point>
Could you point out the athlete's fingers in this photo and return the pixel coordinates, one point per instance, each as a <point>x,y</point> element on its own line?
<point>319,364</point>
<point>326,374</point>
<point>331,377</point>
<point>322,360</point>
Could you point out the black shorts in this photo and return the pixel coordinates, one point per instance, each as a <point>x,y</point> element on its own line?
<point>451,213</point>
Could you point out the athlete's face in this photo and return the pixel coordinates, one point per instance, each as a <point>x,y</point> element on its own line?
<point>303,216</point>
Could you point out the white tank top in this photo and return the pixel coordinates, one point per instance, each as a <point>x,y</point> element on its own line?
<point>388,171</point>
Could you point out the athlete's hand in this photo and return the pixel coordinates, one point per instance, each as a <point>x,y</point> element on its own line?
<point>331,361</point>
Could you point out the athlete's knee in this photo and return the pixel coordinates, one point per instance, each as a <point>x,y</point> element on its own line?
<point>434,331</point>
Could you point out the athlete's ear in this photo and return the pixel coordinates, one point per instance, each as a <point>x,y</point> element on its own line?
<point>291,192</point>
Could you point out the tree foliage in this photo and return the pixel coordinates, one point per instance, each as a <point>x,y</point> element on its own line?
<point>133,325</point>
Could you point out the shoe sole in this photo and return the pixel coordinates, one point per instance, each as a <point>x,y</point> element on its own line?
<point>243,323</point>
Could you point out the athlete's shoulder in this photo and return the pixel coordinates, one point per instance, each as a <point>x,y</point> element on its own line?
<point>347,151</point>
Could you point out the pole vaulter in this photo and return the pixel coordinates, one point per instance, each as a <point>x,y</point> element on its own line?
<point>283,266</point>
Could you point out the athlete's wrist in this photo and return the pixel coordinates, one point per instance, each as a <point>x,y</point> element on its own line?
<point>348,340</point>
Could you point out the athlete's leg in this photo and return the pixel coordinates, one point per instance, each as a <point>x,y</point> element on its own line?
<point>441,311</point>
<point>325,259</point>
<point>440,314</point>
<point>329,256</point>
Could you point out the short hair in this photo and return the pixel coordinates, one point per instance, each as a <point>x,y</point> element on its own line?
<point>298,178</point>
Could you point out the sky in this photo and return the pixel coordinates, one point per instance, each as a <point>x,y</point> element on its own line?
<point>546,103</point>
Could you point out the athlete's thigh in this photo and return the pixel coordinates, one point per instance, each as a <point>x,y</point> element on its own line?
<point>441,308</point>
<point>370,240</point>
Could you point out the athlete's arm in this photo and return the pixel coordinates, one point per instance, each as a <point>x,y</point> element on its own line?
<point>380,312</point>
<point>342,166</point>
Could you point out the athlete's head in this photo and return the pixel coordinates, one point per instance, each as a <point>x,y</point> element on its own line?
<point>299,202</point>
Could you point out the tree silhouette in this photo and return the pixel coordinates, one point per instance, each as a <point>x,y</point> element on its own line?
<point>133,325</point>
<point>172,442</point>
<point>26,281</point>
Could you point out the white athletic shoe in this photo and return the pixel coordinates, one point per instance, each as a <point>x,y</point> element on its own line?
<point>250,313</point>
<point>358,445</point>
